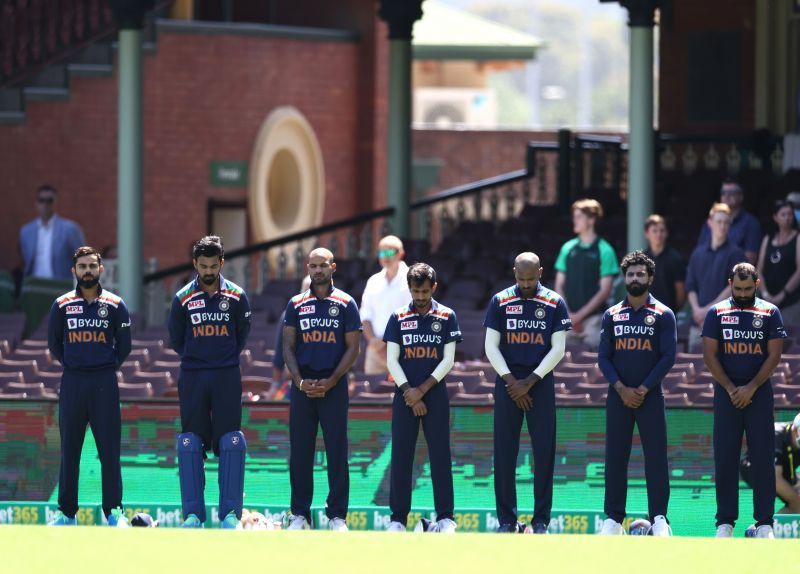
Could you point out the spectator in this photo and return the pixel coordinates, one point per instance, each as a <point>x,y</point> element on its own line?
<point>669,283</point>
<point>48,242</point>
<point>709,268</point>
<point>585,270</point>
<point>779,264</point>
<point>277,359</point>
<point>386,291</point>
<point>745,231</point>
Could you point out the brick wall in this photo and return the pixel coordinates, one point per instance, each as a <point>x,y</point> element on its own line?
<point>205,98</point>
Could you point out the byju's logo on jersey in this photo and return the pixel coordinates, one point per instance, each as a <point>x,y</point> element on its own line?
<point>514,310</point>
<point>729,320</point>
<point>408,325</point>
<point>408,340</point>
<point>74,309</point>
<point>196,304</point>
<point>621,317</point>
<point>511,324</point>
<point>306,310</point>
<point>305,324</point>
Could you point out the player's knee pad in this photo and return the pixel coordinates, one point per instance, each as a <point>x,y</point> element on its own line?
<point>232,450</point>
<point>190,470</point>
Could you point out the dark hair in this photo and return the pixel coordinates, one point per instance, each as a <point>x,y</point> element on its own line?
<point>419,273</point>
<point>47,187</point>
<point>732,182</point>
<point>638,258</point>
<point>744,271</point>
<point>654,219</point>
<point>83,252</point>
<point>208,246</point>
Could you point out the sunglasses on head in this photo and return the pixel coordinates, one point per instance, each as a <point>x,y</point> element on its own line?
<point>48,200</point>
<point>387,253</point>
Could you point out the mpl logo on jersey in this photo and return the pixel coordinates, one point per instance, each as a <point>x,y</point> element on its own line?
<point>729,320</point>
<point>621,317</point>
<point>307,310</point>
<point>408,325</point>
<point>196,304</point>
<point>74,309</point>
<point>514,310</point>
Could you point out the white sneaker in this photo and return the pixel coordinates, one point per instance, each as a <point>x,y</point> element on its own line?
<point>298,523</point>
<point>764,531</point>
<point>725,531</point>
<point>446,526</point>
<point>612,528</point>
<point>395,526</point>
<point>661,526</point>
<point>337,525</point>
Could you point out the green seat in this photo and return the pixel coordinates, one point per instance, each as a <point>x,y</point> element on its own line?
<point>37,297</point>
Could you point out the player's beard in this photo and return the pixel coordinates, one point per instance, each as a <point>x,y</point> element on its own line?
<point>209,279</point>
<point>744,302</point>
<point>88,283</point>
<point>636,289</point>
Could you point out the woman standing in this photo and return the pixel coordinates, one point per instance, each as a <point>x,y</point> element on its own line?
<point>779,264</point>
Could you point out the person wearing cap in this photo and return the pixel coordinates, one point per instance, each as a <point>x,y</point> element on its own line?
<point>143,519</point>
<point>787,459</point>
<point>385,292</point>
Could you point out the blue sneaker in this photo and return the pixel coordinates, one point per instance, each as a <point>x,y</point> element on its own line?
<point>192,521</point>
<point>117,519</point>
<point>62,519</point>
<point>230,521</point>
<point>539,528</point>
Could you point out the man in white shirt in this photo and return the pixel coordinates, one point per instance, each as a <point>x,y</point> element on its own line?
<point>385,292</point>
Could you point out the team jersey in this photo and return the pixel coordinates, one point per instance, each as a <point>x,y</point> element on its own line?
<point>526,326</point>
<point>209,332</point>
<point>637,346</point>
<point>89,336</point>
<point>321,324</point>
<point>743,335</point>
<point>422,338</point>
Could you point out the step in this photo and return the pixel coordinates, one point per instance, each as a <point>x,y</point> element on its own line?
<point>90,70</point>
<point>37,94</point>
<point>12,118</point>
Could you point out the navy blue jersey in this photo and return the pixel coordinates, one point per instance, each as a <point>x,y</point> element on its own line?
<point>321,328</point>
<point>422,338</point>
<point>743,336</point>
<point>209,332</point>
<point>89,336</point>
<point>526,325</point>
<point>637,347</point>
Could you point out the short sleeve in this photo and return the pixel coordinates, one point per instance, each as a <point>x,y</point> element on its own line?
<point>290,316</point>
<point>561,319</point>
<point>493,319</point>
<point>352,320</point>
<point>711,324</point>
<point>561,260</point>
<point>453,334</point>
<point>392,332</point>
<point>691,281</point>
<point>608,260</point>
<point>776,328</point>
<point>367,307</point>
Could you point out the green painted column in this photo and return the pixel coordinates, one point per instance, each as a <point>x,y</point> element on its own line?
<point>641,152</point>
<point>129,169</point>
<point>400,15</point>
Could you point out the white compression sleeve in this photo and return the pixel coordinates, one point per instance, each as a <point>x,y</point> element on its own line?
<point>558,342</point>
<point>393,362</point>
<point>446,363</point>
<point>491,346</point>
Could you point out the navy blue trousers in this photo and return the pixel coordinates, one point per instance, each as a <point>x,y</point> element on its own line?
<point>651,420</point>
<point>757,423</point>
<point>89,397</point>
<point>405,430</point>
<point>541,421</point>
<point>210,403</point>
<point>305,417</point>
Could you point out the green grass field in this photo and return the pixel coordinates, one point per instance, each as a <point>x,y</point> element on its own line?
<point>87,550</point>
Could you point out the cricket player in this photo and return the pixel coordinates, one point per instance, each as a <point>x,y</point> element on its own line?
<point>637,348</point>
<point>742,345</point>
<point>526,328</point>
<point>208,327</point>
<point>421,342</point>
<point>321,340</point>
<point>89,332</point>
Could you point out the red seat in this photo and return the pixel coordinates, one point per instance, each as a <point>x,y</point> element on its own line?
<point>11,377</point>
<point>29,368</point>
<point>158,381</point>
<point>573,399</point>
<point>677,400</point>
<point>32,390</point>
<point>672,379</point>
<point>367,397</point>
<point>262,386</point>
<point>476,399</point>
<point>135,391</point>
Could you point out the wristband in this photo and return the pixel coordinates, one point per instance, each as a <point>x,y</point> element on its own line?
<point>404,387</point>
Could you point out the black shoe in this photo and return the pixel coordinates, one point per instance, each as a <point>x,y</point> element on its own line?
<point>539,528</point>
<point>508,528</point>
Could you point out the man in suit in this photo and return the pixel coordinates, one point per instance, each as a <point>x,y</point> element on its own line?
<point>48,242</point>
